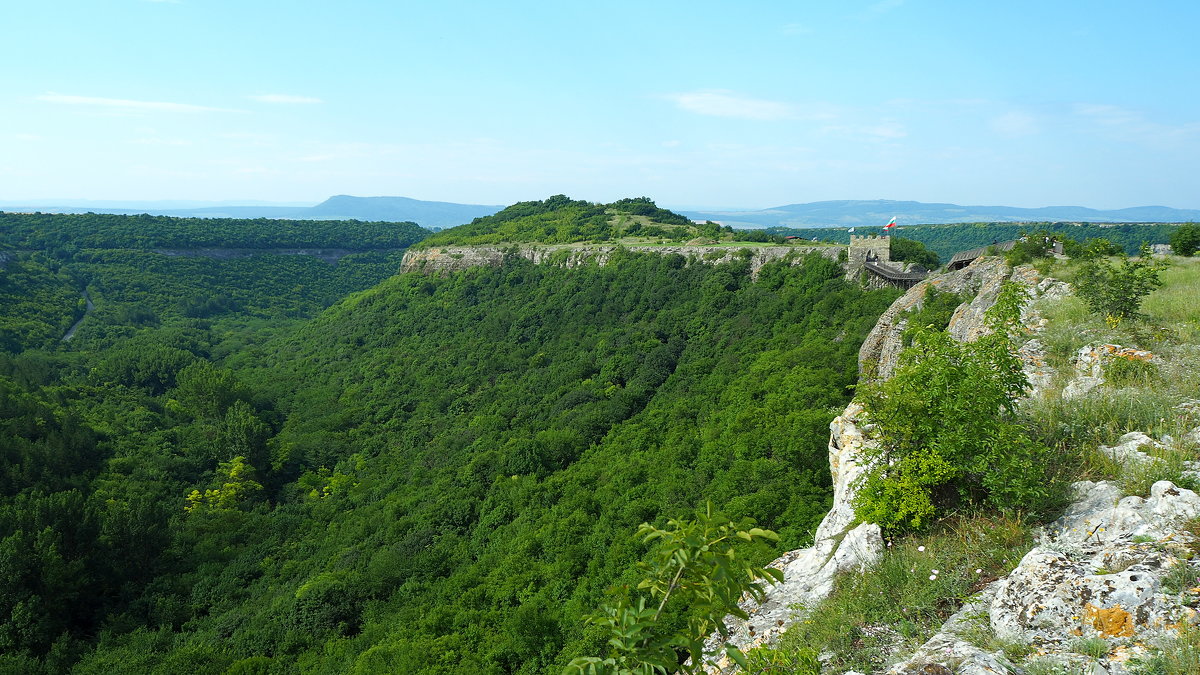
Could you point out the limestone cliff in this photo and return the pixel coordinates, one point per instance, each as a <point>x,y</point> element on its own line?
<point>442,259</point>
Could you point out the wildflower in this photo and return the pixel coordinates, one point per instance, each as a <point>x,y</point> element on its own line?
<point>920,549</point>
<point>933,577</point>
<point>978,570</point>
<point>936,571</point>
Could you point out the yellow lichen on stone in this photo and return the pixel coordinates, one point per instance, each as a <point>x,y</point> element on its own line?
<point>1111,622</point>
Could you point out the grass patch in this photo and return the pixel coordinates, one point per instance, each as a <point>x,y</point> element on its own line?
<point>1179,655</point>
<point>1180,577</point>
<point>1174,304</point>
<point>1049,666</point>
<point>1100,418</point>
<point>1137,479</point>
<point>1097,648</point>
<point>904,599</point>
<point>979,633</point>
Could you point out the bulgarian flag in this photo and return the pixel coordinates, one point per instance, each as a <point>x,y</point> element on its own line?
<point>891,224</point>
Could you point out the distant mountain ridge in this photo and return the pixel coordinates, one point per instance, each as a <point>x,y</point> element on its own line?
<point>854,212</point>
<point>339,207</point>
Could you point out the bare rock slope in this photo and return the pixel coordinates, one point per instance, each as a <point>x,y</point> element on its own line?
<point>1099,571</point>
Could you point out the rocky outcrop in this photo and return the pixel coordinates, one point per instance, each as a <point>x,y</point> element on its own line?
<point>1100,572</point>
<point>443,259</point>
<point>879,352</point>
<point>983,280</point>
<point>838,546</point>
<point>1090,363</point>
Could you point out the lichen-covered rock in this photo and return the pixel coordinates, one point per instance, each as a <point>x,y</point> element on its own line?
<point>954,656</point>
<point>1098,573</point>
<point>1037,370</point>
<point>1080,386</point>
<point>982,279</point>
<point>1091,359</point>
<point>880,350</point>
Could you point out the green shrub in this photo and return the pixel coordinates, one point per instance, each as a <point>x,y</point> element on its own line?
<point>1092,249</point>
<point>1117,290</point>
<point>935,312</point>
<point>1185,240</point>
<point>1032,246</point>
<point>944,422</point>
<point>910,250</point>
<point>765,659</point>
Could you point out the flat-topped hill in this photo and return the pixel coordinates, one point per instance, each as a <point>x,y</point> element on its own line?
<point>561,220</point>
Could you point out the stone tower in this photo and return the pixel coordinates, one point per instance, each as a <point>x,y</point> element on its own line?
<point>867,249</point>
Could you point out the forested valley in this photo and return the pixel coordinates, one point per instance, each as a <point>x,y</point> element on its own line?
<point>275,464</point>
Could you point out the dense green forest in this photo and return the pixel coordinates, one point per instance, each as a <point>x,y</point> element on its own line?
<point>946,240</point>
<point>66,233</point>
<point>273,464</point>
<point>433,475</point>
<point>51,265</point>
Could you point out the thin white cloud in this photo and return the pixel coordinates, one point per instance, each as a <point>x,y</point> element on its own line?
<point>128,104</point>
<point>284,98</point>
<point>1132,125</point>
<point>723,103</point>
<point>1014,124</point>
<point>887,130</point>
<point>881,7</point>
<point>1109,115</point>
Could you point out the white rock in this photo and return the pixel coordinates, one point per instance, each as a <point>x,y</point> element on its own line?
<point>1088,578</point>
<point>958,655</point>
<point>808,574</point>
<point>1080,386</point>
<point>1131,449</point>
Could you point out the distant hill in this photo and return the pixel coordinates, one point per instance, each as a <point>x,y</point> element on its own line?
<point>428,214</point>
<point>436,215</point>
<point>878,211</point>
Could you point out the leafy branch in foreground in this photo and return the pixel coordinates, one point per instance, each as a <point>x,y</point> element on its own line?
<point>696,567</point>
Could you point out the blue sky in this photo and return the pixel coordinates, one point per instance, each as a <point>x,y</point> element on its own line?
<point>701,104</point>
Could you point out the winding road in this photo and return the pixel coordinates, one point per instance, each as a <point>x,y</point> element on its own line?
<point>71,331</point>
